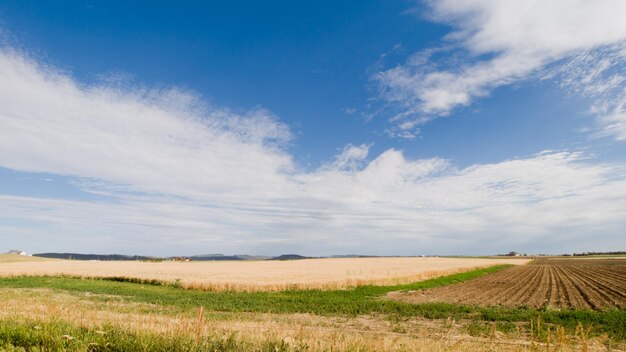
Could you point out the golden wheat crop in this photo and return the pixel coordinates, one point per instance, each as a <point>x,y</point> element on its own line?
<point>263,275</point>
<point>11,258</point>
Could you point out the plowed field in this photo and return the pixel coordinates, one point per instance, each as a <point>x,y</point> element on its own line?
<point>547,282</point>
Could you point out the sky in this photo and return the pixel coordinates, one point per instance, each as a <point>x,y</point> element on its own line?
<point>448,127</point>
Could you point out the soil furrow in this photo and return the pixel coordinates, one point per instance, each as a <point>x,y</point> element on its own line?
<point>480,293</point>
<point>554,282</point>
<point>608,279</point>
<point>520,297</point>
<point>576,295</point>
<point>605,296</point>
<point>538,296</point>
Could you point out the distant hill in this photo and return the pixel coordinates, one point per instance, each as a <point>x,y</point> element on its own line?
<point>228,257</point>
<point>289,257</point>
<point>253,257</point>
<point>201,257</point>
<point>215,257</point>
<point>205,257</point>
<point>78,256</point>
<point>111,257</point>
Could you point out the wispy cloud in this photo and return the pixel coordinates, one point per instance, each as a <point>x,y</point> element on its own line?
<point>148,140</point>
<point>599,76</point>
<point>183,176</point>
<point>496,43</point>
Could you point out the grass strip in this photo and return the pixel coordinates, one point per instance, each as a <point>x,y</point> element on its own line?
<point>32,335</point>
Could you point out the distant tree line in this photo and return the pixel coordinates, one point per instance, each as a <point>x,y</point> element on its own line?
<point>599,253</point>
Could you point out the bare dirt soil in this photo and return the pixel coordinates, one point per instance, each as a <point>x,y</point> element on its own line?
<point>597,284</point>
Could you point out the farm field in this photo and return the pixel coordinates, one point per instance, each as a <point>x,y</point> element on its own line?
<point>262,275</point>
<point>70,313</point>
<point>565,283</point>
<point>63,313</point>
<point>13,258</point>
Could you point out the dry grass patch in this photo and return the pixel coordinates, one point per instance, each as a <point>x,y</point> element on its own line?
<point>298,331</point>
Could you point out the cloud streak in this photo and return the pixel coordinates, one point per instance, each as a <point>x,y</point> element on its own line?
<point>183,176</point>
<point>496,43</point>
<point>144,139</point>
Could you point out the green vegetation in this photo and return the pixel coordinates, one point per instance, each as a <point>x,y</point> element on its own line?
<point>361,300</point>
<point>61,336</point>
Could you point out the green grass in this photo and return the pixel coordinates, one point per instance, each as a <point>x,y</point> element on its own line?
<point>60,336</point>
<point>361,300</point>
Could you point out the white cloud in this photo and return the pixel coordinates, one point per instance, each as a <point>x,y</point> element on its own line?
<point>495,43</point>
<point>181,176</point>
<point>148,140</point>
<point>350,158</point>
<point>599,76</point>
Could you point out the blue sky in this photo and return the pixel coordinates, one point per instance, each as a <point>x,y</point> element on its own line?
<point>391,127</point>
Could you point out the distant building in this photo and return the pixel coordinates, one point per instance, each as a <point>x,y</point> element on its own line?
<point>514,254</point>
<point>180,259</point>
<point>17,252</point>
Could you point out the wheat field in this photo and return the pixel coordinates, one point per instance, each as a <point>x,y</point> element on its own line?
<point>12,258</point>
<point>328,273</point>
